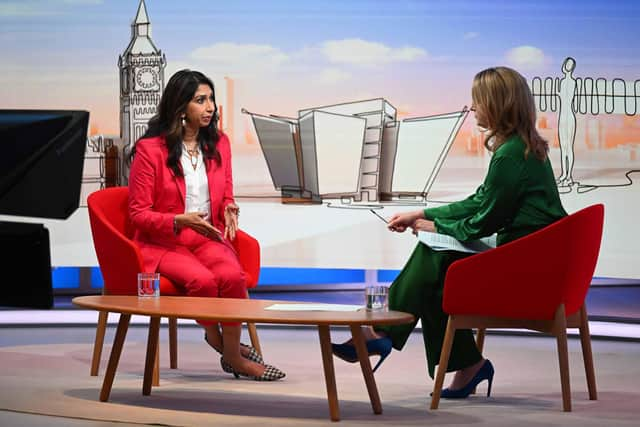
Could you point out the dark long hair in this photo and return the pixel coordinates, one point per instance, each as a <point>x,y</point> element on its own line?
<point>506,101</point>
<point>179,91</point>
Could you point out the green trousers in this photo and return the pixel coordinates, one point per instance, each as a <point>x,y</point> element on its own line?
<point>418,290</point>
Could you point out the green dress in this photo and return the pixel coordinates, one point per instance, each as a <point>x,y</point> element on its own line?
<point>518,196</point>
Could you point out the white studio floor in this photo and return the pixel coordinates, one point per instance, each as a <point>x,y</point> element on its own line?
<point>45,382</point>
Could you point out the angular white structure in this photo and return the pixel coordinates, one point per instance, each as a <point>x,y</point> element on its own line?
<point>355,151</point>
<point>421,146</point>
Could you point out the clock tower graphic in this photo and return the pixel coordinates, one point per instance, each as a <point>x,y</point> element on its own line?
<point>141,83</point>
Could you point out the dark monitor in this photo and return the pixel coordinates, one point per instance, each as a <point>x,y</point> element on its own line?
<point>26,266</point>
<point>41,162</point>
<point>41,159</point>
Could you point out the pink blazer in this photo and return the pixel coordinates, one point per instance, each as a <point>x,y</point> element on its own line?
<point>156,195</point>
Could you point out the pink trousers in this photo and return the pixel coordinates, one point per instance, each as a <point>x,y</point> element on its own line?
<point>211,269</point>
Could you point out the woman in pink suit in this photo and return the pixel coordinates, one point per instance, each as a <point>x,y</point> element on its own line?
<point>181,205</point>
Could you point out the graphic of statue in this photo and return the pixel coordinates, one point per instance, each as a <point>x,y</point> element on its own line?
<point>567,122</point>
<point>570,96</point>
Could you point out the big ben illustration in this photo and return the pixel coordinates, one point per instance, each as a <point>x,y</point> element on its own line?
<point>141,83</point>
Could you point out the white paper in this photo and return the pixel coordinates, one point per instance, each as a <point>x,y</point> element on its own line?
<point>314,307</point>
<point>442,242</point>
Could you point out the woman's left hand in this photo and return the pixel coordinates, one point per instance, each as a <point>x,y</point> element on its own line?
<point>423,225</point>
<point>231,213</point>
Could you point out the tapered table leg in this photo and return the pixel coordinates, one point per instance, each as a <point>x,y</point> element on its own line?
<point>156,366</point>
<point>114,357</point>
<point>365,365</point>
<point>329,373</point>
<point>152,350</point>
<point>173,343</point>
<point>103,316</point>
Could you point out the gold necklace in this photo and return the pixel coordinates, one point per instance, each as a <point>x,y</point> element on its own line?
<point>193,155</point>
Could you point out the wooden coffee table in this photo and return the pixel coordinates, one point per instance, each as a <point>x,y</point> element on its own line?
<point>240,310</point>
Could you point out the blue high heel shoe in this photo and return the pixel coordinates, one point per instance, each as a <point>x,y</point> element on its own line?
<point>347,352</point>
<point>485,373</point>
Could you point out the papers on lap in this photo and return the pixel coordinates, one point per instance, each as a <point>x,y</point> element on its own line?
<point>442,242</point>
<point>313,307</point>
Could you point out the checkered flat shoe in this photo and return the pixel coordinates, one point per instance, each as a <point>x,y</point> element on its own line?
<point>271,373</point>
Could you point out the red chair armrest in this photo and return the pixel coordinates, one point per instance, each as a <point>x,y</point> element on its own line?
<point>248,250</point>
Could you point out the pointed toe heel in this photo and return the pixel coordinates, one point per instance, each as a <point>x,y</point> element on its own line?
<point>346,352</point>
<point>228,368</point>
<point>376,347</point>
<point>253,354</point>
<point>382,357</point>
<point>271,373</point>
<point>486,372</point>
<point>490,381</point>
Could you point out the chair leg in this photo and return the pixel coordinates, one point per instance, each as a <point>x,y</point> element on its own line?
<point>173,343</point>
<point>560,329</point>
<point>253,335</point>
<point>480,339</point>
<point>99,341</point>
<point>587,355</point>
<point>480,344</point>
<point>444,362</point>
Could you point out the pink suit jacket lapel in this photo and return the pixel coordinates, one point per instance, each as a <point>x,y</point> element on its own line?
<point>211,169</point>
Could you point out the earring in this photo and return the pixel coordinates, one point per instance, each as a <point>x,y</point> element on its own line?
<point>184,121</point>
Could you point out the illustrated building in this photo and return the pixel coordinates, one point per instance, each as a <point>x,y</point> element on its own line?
<point>356,151</point>
<point>141,83</point>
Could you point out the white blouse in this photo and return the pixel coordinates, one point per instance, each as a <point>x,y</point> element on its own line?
<point>197,185</point>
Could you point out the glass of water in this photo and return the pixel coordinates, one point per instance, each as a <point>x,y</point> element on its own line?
<point>376,298</point>
<point>148,284</point>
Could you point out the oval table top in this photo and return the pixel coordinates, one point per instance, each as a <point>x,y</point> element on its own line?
<point>235,310</point>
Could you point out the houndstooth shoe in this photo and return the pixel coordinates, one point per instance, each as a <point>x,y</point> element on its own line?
<point>253,354</point>
<point>271,373</point>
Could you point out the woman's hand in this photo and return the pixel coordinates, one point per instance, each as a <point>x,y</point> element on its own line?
<point>423,225</point>
<point>400,222</point>
<point>231,213</point>
<point>197,222</point>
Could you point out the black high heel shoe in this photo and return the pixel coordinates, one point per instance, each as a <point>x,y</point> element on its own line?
<point>271,373</point>
<point>485,373</point>
<point>347,352</point>
<point>252,355</point>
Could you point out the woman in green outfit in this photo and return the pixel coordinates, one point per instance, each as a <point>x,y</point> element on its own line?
<point>518,196</point>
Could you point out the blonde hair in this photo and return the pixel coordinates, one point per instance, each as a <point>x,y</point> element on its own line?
<point>506,102</point>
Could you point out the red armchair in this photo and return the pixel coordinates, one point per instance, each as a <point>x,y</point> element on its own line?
<point>120,262</point>
<point>537,282</point>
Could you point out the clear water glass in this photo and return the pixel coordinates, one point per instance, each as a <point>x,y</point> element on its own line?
<point>376,298</point>
<point>148,284</point>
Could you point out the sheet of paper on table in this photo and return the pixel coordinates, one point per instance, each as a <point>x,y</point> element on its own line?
<point>314,307</point>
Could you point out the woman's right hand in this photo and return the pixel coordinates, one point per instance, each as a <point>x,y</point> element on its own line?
<point>197,222</point>
<point>400,222</point>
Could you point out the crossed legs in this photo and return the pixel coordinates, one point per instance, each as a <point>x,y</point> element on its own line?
<point>213,270</point>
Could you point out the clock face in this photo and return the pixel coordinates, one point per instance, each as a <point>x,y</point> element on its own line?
<point>146,79</point>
